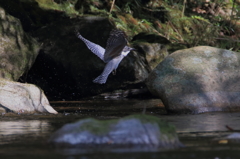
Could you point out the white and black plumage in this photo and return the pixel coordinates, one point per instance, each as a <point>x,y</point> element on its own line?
<point>115,51</point>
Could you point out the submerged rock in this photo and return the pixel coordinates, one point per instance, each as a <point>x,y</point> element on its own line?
<point>197,80</point>
<point>22,98</point>
<point>234,136</point>
<point>135,131</point>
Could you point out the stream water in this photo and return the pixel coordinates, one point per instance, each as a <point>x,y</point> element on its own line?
<point>25,136</point>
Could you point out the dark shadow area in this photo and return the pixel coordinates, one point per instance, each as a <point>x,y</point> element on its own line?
<point>52,78</point>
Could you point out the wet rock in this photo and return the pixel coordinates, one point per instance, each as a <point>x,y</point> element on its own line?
<point>234,136</point>
<point>18,51</point>
<point>196,80</point>
<point>22,98</point>
<point>135,131</point>
<point>130,93</point>
<point>67,67</point>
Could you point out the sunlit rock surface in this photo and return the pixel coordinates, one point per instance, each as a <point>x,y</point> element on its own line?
<point>18,51</point>
<point>134,130</point>
<point>199,79</point>
<point>22,98</point>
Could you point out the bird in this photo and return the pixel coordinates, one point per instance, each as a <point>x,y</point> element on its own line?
<point>116,50</point>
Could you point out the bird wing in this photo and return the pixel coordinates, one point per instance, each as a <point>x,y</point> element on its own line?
<point>95,48</point>
<point>115,44</point>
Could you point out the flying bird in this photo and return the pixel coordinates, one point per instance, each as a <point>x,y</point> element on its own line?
<point>115,51</point>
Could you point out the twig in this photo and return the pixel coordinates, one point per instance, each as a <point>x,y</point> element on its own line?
<point>184,5</point>
<point>228,39</point>
<point>232,8</point>
<point>112,6</point>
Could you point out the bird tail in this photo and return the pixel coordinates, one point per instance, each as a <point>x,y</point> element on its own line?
<point>100,79</point>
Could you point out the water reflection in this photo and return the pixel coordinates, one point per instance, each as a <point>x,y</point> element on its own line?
<point>23,127</point>
<point>208,122</point>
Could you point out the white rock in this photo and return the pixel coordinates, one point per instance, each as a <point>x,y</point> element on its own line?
<point>23,98</point>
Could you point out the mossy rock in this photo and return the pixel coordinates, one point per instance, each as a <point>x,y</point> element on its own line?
<point>132,131</point>
<point>18,50</point>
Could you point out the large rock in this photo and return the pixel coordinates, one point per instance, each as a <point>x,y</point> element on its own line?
<point>18,51</point>
<point>135,131</point>
<point>196,80</point>
<point>22,98</point>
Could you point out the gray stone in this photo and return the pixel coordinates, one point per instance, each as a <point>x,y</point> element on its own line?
<point>154,52</point>
<point>135,130</point>
<point>18,51</point>
<point>234,136</point>
<point>22,98</point>
<point>196,80</point>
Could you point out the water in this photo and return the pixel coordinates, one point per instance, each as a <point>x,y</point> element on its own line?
<point>25,136</point>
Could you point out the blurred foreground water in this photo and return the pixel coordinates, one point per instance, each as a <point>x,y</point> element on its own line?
<point>25,136</point>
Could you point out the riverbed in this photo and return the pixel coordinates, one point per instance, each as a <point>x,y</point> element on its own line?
<point>25,136</point>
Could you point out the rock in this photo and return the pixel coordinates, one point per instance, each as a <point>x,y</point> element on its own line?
<point>234,136</point>
<point>22,98</point>
<point>135,131</point>
<point>130,93</point>
<point>154,53</point>
<point>152,46</point>
<point>18,51</point>
<point>67,67</point>
<point>197,80</point>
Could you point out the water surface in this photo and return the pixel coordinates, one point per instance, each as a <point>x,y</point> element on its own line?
<point>25,136</point>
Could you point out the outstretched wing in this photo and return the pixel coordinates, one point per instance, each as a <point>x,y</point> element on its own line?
<point>95,48</point>
<point>115,44</point>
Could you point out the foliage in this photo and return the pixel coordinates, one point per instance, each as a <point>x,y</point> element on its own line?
<point>214,23</point>
<point>65,6</point>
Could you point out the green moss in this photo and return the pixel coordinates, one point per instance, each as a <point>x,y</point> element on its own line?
<point>18,50</point>
<point>101,127</point>
<point>173,20</point>
<point>67,7</point>
<point>98,127</point>
<point>165,127</point>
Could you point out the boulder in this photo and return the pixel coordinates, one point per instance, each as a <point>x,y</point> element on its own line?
<point>131,131</point>
<point>197,80</point>
<point>18,50</point>
<point>22,98</point>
